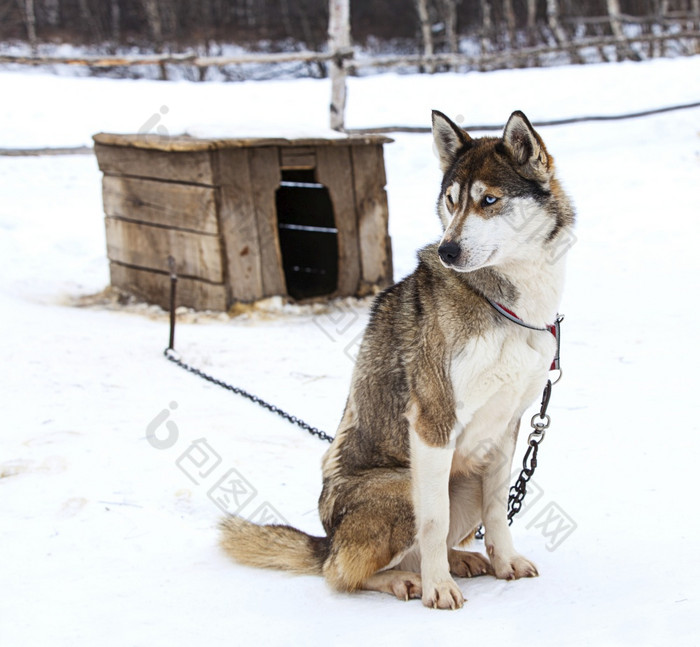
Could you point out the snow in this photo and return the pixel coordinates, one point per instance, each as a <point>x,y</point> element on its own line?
<point>106,540</point>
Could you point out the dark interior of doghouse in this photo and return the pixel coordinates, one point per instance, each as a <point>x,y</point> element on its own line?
<point>308,235</point>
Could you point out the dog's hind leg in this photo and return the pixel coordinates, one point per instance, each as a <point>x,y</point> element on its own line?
<point>373,530</point>
<point>405,585</point>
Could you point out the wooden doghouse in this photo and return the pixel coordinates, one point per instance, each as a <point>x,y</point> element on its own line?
<point>245,219</point>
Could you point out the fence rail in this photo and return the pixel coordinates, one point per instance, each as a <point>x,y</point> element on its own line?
<point>341,58</point>
<point>511,55</point>
<point>176,59</point>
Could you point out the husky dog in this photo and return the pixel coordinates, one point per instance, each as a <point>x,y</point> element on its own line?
<point>423,453</point>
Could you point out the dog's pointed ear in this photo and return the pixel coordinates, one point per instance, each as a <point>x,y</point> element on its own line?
<point>449,139</point>
<point>526,148</point>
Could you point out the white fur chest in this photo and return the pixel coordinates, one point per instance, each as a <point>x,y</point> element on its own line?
<point>495,378</point>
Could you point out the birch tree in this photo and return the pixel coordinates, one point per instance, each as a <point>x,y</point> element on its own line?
<point>426,30</point>
<point>449,16</point>
<point>624,51</point>
<point>29,15</point>
<point>339,43</point>
<point>531,22</point>
<point>155,25</point>
<point>509,14</point>
<point>486,27</point>
<point>557,29</point>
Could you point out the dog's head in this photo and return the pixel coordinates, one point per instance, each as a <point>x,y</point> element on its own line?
<point>496,202</point>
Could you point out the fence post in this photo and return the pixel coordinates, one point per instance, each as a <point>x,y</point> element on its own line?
<point>338,44</point>
<point>624,51</point>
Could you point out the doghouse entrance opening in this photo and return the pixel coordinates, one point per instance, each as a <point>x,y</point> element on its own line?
<point>308,235</point>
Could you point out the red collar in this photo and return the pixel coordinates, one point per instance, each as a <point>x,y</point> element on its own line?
<point>554,329</point>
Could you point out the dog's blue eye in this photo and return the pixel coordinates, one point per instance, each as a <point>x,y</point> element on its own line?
<point>489,200</point>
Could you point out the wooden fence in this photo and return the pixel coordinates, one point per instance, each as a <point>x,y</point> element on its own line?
<point>341,58</point>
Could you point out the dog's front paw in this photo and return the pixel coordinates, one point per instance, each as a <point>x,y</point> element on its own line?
<point>443,595</point>
<point>513,567</point>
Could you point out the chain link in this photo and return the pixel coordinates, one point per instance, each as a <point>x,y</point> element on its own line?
<point>314,431</point>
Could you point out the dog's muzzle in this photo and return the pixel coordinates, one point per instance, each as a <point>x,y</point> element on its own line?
<point>449,252</point>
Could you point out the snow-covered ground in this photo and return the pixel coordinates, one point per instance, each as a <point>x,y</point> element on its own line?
<point>106,540</point>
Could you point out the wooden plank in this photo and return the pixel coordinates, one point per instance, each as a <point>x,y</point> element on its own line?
<point>183,143</point>
<point>373,216</point>
<point>174,59</point>
<point>239,231</point>
<point>265,180</point>
<point>148,247</point>
<point>181,206</point>
<point>154,287</point>
<point>334,171</point>
<point>298,157</point>
<point>193,167</point>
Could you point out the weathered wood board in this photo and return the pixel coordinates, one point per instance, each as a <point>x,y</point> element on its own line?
<point>298,158</point>
<point>373,216</point>
<point>148,247</point>
<point>335,172</point>
<point>265,179</point>
<point>190,167</point>
<point>237,226</point>
<point>179,206</point>
<point>154,287</point>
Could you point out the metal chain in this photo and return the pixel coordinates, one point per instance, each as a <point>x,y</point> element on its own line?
<point>539,423</point>
<point>314,431</point>
<point>170,354</point>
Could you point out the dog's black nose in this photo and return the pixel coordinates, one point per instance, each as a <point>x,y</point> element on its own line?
<point>448,252</point>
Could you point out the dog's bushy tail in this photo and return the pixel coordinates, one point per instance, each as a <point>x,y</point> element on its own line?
<point>279,547</point>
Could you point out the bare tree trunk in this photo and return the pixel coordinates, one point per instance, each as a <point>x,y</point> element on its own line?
<point>27,7</point>
<point>486,28</point>
<point>695,8</point>
<point>554,22</point>
<point>338,44</point>
<point>663,10</point>
<point>305,11</point>
<point>155,24</point>
<point>624,51</point>
<point>115,21</point>
<point>52,12</point>
<point>509,14</point>
<point>449,15</point>
<point>426,31</point>
<point>89,20</point>
<point>286,16</point>
<point>532,22</point>
<point>168,19</point>
<point>251,18</point>
<point>204,16</point>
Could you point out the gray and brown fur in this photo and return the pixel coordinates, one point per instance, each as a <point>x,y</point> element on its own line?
<point>402,379</point>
